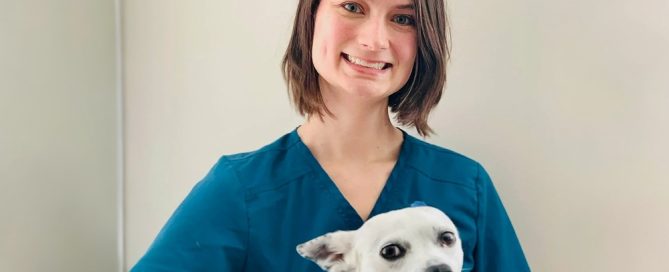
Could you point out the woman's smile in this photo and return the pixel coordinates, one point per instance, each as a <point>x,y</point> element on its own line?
<point>367,67</point>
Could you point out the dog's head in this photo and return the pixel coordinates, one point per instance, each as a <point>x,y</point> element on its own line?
<point>417,239</point>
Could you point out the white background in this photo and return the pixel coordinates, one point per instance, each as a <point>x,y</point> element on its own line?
<point>58,136</point>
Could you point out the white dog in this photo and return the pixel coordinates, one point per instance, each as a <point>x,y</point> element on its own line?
<point>416,239</point>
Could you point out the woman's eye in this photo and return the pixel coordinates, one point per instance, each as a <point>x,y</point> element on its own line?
<point>404,20</point>
<point>352,7</point>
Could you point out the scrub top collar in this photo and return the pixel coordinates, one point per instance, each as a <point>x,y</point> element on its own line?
<point>346,211</point>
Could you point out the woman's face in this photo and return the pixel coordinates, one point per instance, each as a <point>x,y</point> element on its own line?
<point>366,47</point>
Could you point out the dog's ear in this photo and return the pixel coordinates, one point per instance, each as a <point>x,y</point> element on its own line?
<point>328,250</point>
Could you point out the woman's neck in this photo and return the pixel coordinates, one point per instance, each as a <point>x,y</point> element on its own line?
<point>359,132</point>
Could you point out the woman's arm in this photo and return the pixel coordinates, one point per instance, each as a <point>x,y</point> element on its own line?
<point>207,232</point>
<point>497,246</point>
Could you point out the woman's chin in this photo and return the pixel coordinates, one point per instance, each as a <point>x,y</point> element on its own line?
<point>365,91</point>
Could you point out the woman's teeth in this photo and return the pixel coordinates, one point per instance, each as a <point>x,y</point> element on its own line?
<point>375,65</point>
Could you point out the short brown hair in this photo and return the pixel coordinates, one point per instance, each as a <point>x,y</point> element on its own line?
<point>413,102</point>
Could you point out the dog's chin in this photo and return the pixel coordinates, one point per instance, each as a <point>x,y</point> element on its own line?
<point>407,265</point>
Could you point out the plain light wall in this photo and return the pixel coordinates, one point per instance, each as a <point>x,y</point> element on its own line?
<point>58,136</point>
<point>563,102</point>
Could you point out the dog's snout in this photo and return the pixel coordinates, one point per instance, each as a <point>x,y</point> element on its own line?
<point>439,268</point>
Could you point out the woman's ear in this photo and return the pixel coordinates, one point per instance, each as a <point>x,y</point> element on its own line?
<point>329,250</point>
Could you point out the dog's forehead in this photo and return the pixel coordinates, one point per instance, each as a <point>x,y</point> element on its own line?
<point>415,217</point>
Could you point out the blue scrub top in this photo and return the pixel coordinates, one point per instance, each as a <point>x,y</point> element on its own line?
<point>252,210</point>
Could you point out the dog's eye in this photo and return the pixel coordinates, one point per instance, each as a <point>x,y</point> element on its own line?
<point>447,238</point>
<point>392,252</point>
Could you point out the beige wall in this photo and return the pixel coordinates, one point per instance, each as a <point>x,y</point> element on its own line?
<point>58,136</point>
<point>564,102</point>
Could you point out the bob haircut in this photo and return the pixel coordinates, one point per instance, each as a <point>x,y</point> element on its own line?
<point>413,102</point>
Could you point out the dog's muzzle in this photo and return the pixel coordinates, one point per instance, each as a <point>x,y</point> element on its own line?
<point>439,268</point>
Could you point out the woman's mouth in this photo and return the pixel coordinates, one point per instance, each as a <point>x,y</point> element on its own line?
<point>366,64</point>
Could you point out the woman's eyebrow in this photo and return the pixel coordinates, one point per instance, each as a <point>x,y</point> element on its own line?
<point>407,6</point>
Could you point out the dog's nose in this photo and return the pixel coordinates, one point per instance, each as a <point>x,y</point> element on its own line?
<point>439,268</point>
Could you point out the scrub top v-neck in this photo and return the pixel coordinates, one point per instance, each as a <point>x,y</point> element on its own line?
<point>252,209</point>
<point>348,213</point>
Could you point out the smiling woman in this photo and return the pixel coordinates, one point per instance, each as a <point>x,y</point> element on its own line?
<point>347,64</point>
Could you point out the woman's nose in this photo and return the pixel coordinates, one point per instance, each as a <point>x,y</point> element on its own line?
<point>373,35</point>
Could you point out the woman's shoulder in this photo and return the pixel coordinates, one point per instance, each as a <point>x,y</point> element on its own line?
<point>277,147</point>
<point>441,163</point>
<point>270,164</point>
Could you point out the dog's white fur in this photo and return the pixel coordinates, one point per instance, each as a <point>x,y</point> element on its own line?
<point>417,229</point>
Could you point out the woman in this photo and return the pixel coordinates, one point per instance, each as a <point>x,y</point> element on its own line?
<point>346,64</point>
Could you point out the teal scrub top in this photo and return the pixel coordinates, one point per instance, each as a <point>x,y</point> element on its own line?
<point>252,209</point>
